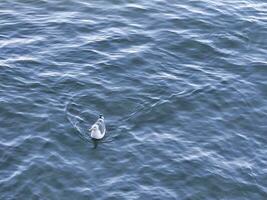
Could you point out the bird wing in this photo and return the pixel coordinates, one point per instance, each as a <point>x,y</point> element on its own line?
<point>101,126</point>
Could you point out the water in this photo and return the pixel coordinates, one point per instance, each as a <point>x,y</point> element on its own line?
<point>182,86</point>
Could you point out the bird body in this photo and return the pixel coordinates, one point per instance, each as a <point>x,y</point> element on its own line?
<point>98,129</point>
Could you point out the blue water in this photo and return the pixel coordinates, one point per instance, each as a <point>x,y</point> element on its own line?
<point>182,86</point>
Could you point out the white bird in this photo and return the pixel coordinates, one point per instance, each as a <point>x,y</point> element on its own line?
<point>98,129</point>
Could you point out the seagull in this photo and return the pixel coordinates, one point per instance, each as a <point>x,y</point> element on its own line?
<point>98,129</point>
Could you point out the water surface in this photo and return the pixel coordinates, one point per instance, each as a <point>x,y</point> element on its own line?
<point>182,86</point>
